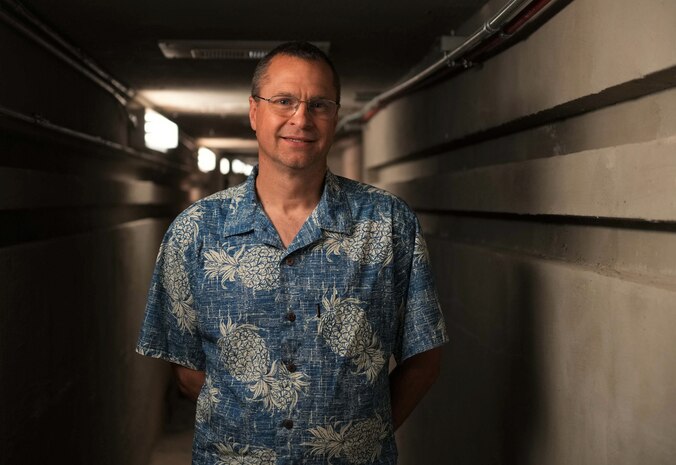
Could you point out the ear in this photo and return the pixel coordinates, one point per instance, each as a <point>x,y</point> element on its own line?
<point>253,106</point>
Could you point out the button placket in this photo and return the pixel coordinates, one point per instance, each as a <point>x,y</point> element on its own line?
<point>290,366</point>
<point>287,423</point>
<point>289,272</point>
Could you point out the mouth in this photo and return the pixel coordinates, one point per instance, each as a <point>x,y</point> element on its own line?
<point>299,140</point>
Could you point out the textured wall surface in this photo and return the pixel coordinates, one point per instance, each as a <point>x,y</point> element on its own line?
<point>545,180</point>
<point>80,227</point>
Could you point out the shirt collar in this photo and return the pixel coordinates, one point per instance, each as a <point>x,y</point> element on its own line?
<point>242,207</point>
<point>332,213</point>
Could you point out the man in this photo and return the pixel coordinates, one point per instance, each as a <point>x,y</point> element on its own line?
<point>280,301</point>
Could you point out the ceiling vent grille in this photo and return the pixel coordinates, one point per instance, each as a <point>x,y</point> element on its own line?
<point>222,49</point>
<point>226,54</point>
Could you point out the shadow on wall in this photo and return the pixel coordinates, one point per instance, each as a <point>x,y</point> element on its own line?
<point>522,399</point>
<point>484,409</point>
<point>74,390</point>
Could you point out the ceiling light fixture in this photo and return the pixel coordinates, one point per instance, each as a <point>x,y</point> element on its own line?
<point>206,160</point>
<point>225,166</point>
<point>238,166</point>
<point>161,134</point>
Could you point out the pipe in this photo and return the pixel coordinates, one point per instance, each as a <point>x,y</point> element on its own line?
<point>509,29</point>
<point>78,60</point>
<point>509,14</point>
<point>43,123</point>
<point>532,9</point>
<point>91,69</point>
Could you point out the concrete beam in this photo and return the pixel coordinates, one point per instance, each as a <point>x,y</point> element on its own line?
<point>634,181</point>
<point>29,189</point>
<point>574,63</point>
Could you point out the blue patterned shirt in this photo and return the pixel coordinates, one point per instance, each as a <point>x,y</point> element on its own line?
<point>295,341</point>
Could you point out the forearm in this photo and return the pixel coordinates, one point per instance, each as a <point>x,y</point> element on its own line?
<point>189,381</point>
<point>410,381</point>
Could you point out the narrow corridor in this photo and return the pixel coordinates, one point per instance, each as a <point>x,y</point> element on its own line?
<point>535,140</point>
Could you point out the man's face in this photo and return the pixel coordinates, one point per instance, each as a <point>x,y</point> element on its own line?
<point>301,140</point>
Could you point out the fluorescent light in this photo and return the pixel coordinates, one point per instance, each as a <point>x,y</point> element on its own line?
<point>205,101</point>
<point>206,160</point>
<point>160,133</point>
<point>225,166</point>
<point>230,143</point>
<point>238,166</point>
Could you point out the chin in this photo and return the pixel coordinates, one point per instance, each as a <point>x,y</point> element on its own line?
<point>301,162</point>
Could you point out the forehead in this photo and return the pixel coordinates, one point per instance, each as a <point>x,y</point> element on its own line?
<point>298,76</point>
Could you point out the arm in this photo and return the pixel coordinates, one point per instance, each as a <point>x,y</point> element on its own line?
<point>410,381</point>
<point>189,381</point>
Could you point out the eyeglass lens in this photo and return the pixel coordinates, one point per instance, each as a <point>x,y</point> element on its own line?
<point>288,105</point>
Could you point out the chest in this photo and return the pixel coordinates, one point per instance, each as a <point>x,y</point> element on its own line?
<point>288,224</point>
<point>340,283</point>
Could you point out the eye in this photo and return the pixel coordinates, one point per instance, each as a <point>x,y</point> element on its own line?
<point>318,105</point>
<point>283,101</point>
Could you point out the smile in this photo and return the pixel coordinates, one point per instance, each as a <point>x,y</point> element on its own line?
<point>304,141</point>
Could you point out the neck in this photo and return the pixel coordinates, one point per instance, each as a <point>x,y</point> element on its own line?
<point>289,190</point>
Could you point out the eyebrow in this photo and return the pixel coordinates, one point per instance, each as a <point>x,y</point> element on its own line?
<point>289,94</point>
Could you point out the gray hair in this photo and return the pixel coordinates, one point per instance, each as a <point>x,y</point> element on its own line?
<point>302,50</point>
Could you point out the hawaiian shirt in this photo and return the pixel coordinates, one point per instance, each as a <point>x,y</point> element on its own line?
<point>295,341</point>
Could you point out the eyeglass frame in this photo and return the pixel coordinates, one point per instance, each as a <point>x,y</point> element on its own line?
<point>307,102</point>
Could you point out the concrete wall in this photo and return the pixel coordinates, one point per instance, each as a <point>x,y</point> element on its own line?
<point>545,180</point>
<point>80,228</point>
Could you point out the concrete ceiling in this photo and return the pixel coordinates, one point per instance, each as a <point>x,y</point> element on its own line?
<point>372,42</point>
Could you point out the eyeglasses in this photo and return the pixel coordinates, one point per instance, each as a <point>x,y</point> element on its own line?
<point>285,105</point>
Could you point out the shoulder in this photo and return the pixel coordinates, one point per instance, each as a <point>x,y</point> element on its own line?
<point>360,192</point>
<point>219,204</point>
<point>210,211</point>
<point>367,198</point>
<point>229,195</point>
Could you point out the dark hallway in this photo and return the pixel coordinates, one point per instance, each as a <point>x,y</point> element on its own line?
<point>534,139</point>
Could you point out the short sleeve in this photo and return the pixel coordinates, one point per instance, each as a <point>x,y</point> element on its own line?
<point>169,329</point>
<point>421,325</point>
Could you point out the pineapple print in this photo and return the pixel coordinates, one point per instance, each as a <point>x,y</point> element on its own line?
<point>347,332</point>
<point>426,299</point>
<point>332,183</point>
<point>377,191</point>
<point>243,351</point>
<point>256,267</point>
<point>284,388</point>
<point>185,228</point>
<point>160,254</point>
<point>207,401</point>
<point>358,443</point>
<point>420,254</point>
<point>175,280</point>
<point>246,357</point>
<point>234,194</point>
<point>441,325</point>
<point>369,243</point>
<point>236,454</point>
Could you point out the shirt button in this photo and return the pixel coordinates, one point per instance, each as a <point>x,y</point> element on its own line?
<point>290,261</point>
<point>291,316</point>
<point>288,424</point>
<point>290,366</point>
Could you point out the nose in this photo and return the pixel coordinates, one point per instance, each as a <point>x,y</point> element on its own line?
<point>302,117</point>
